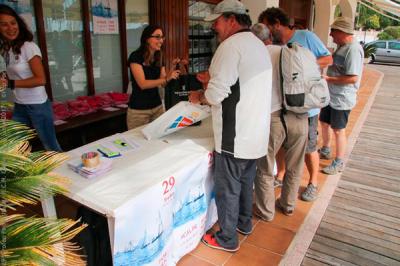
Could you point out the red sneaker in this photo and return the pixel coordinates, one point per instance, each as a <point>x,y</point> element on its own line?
<point>210,241</point>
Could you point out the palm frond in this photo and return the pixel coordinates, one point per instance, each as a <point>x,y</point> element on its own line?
<point>12,162</point>
<point>44,162</point>
<point>26,178</point>
<point>6,219</point>
<point>41,241</point>
<point>14,132</point>
<point>30,189</point>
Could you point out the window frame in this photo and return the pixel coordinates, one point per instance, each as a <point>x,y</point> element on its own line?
<point>87,44</point>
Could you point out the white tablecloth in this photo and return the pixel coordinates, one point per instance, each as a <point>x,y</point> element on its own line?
<point>158,199</point>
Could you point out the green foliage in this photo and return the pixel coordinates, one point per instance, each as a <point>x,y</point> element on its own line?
<point>386,22</point>
<point>25,178</point>
<point>390,33</point>
<point>372,23</point>
<point>384,36</point>
<point>38,241</point>
<point>368,50</point>
<point>338,12</point>
<point>367,19</point>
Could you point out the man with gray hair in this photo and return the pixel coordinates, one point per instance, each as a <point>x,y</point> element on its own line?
<point>288,131</point>
<point>262,33</point>
<point>277,21</point>
<point>239,92</point>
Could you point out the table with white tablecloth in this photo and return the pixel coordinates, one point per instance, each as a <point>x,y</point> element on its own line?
<point>158,198</point>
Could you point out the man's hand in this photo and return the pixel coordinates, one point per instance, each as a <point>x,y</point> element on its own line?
<point>204,78</point>
<point>195,96</point>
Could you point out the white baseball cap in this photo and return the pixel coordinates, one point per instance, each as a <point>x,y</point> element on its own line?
<point>225,6</point>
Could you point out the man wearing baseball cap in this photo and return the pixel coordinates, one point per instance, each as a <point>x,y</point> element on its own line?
<point>344,80</point>
<point>239,92</point>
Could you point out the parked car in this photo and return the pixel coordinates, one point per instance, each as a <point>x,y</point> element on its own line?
<point>386,51</point>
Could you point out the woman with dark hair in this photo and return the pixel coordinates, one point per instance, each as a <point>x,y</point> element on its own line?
<point>26,77</point>
<point>147,75</point>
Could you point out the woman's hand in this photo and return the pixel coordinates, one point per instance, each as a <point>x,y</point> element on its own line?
<point>176,61</point>
<point>173,74</point>
<point>3,81</point>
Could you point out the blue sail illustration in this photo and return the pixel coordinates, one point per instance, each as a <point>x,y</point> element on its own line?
<point>103,10</point>
<point>146,249</point>
<point>193,205</point>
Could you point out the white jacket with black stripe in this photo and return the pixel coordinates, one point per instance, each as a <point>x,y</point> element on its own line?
<point>239,92</point>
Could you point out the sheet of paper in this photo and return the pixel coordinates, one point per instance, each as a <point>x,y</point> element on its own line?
<point>59,122</point>
<point>117,143</point>
<point>110,109</point>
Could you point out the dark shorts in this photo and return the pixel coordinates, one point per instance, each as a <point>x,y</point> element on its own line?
<point>337,119</point>
<point>312,134</point>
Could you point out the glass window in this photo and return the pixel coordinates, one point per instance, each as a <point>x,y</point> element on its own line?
<point>201,39</point>
<point>25,10</point>
<point>394,45</point>
<point>63,24</point>
<point>106,49</point>
<point>137,18</point>
<point>380,45</point>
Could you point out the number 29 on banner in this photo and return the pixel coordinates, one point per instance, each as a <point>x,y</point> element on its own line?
<point>168,185</point>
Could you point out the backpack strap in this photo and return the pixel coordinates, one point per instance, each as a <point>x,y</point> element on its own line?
<point>283,111</point>
<point>281,82</point>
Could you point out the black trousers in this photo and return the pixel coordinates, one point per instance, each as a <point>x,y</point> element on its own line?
<point>234,197</point>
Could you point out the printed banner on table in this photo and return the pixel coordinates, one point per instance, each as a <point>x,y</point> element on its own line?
<point>105,16</point>
<point>167,221</point>
<point>23,8</point>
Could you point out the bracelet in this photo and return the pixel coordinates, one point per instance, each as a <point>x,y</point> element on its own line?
<point>11,84</point>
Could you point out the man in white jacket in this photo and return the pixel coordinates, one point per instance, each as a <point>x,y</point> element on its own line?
<point>239,92</point>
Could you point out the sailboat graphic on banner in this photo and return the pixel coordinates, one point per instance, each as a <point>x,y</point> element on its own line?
<point>102,9</point>
<point>146,249</point>
<point>194,204</point>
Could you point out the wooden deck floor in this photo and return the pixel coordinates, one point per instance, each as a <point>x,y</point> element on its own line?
<point>362,223</point>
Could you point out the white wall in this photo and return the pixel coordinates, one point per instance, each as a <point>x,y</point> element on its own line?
<point>348,8</point>
<point>323,19</point>
<point>255,7</point>
<point>272,3</point>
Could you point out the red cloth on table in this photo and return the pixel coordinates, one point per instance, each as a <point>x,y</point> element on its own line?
<point>80,107</point>
<point>93,101</point>
<point>60,111</point>
<point>119,98</point>
<point>105,99</point>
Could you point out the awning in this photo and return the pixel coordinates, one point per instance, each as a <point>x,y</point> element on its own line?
<point>387,6</point>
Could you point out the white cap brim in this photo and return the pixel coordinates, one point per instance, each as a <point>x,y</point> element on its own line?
<point>212,17</point>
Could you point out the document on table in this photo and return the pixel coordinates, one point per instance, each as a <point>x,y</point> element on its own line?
<point>117,143</point>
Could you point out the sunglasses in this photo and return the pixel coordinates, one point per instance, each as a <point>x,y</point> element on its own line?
<point>158,37</point>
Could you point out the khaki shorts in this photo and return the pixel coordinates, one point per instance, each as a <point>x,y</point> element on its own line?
<point>136,118</point>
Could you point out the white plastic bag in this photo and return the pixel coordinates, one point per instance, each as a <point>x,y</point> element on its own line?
<point>179,116</point>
